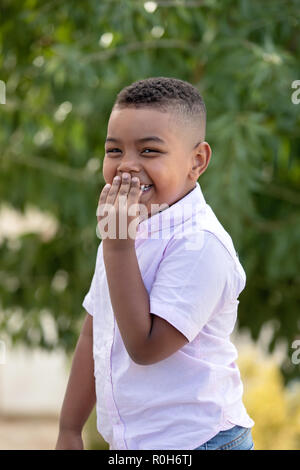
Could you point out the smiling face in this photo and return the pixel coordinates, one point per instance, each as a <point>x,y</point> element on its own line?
<point>171,160</point>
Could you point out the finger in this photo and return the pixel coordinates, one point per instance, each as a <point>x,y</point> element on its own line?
<point>102,200</point>
<point>135,189</point>
<point>125,185</point>
<point>112,194</point>
<point>104,193</point>
<point>124,189</point>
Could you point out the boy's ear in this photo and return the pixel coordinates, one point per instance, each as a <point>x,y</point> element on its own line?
<point>200,159</point>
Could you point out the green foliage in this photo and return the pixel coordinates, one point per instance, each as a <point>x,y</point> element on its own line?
<point>61,81</point>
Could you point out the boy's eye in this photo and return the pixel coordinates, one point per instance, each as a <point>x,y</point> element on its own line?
<point>144,151</point>
<point>151,150</point>
<point>112,150</point>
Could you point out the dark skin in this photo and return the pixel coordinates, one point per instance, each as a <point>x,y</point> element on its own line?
<point>173,169</point>
<point>80,397</point>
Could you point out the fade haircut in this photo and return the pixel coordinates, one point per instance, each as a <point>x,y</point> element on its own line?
<point>177,97</point>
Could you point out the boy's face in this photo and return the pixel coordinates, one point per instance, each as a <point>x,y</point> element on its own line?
<point>167,165</point>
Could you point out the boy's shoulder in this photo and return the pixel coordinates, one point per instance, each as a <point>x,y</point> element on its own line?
<point>193,241</point>
<point>204,232</point>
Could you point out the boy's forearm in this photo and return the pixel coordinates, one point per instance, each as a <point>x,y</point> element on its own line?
<point>80,396</point>
<point>129,297</point>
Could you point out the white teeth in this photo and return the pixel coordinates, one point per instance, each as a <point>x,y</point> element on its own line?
<point>145,186</point>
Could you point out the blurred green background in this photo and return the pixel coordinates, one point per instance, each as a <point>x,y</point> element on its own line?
<point>63,64</point>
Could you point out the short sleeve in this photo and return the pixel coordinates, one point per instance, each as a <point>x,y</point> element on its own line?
<point>191,284</point>
<point>88,301</point>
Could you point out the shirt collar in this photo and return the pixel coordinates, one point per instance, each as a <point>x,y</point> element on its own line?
<point>178,213</point>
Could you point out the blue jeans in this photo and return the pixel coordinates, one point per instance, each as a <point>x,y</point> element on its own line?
<point>236,438</point>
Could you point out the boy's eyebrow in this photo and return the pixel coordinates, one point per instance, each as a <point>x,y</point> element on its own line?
<point>143,139</point>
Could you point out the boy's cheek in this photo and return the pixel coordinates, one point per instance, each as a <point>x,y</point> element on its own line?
<point>108,174</point>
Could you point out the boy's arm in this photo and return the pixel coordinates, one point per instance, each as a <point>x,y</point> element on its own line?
<point>148,338</point>
<point>80,396</point>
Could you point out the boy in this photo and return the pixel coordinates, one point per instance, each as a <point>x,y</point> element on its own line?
<point>155,351</point>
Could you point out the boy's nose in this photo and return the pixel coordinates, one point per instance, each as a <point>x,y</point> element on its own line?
<point>129,164</point>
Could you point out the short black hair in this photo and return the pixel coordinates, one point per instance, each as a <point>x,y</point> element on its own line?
<point>167,94</point>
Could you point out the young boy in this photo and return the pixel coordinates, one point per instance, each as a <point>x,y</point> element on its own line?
<point>154,352</point>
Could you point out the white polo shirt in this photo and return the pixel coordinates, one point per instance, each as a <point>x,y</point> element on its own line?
<point>193,277</point>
